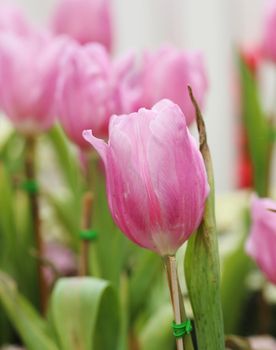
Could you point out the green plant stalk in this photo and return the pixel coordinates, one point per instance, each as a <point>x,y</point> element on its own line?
<point>34,205</point>
<point>258,131</point>
<point>177,302</point>
<point>91,175</point>
<point>202,262</point>
<point>86,224</point>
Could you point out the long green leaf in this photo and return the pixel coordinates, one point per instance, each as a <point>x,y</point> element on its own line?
<point>85,314</point>
<point>202,264</point>
<point>66,160</point>
<point>7,223</point>
<point>147,269</point>
<point>236,268</point>
<point>67,213</point>
<point>111,244</point>
<point>31,327</point>
<point>157,333</point>
<point>258,130</point>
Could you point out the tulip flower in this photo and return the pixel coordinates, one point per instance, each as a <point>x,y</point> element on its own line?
<point>261,244</point>
<point>167,73</point>
<point>268,42</point>
<point>84,20</point>
<point>87,93</point>
<point>129,79</point>
<point>12,20</point>
<point>63,262</point>
<point>156,179</point>
<point>28,75</point>
<point>252,57</point>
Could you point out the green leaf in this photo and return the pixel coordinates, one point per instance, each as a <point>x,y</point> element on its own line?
<point>236,268</point>
<point>148,268</point>
<point>157,332</point>
<point>67,213</point>
<point>7,223</point>
<point>257,129</point>
<point>30,326</point>
<point>111,244</point>
<point>67,161</point>
<point>85,314</point>
<point>26,263</point>
<point>202,263</point>
<point>11,152</point>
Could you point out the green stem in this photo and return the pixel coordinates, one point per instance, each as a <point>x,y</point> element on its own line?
<point>86,224</point>
<point>35,212</point>
<point>184,343</point>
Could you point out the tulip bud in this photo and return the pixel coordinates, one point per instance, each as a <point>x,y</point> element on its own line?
<point>87,93</point>
<point>261,244</point>
<point>28,75</point>
<point>156,179</point>
<point>84,20</point>
<point>251,55</point>
<point>268,43</point>
<point>168,72</point>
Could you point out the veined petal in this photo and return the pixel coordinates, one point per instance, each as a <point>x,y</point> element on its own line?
<point>99,145</point>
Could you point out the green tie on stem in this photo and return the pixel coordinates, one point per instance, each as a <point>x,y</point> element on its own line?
<point>183,337</point>
<point>86,234</point>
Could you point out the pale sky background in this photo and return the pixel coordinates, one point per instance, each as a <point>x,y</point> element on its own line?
<point>214,26</point>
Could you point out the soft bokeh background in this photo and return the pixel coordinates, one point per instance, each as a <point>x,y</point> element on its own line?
<point>215,26</point>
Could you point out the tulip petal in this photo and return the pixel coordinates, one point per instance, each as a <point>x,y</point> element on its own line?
<point>98,144</point>
<point>176,166</point>
<point>261,244</point>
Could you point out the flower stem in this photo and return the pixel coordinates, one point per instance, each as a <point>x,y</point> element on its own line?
<point>184,343</point>
<point>35,213</point>
<point>86,224</point>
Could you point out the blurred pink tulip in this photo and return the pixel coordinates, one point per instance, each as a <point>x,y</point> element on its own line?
<point>84,20</point>
<point>168,72</point>
<point>268,43</point>
<point>129,78</point>
<point>261,244</point>
<point>262,343</point>
<point>61,259</point>
<point>12,20</point>
<point>156,179</point>
<point>28,75</point>
<point>88,92</point>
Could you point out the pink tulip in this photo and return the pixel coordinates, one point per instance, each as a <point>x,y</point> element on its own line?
<point>62,260</point>
<point>28,75</point>
<point>156,179</point>
<point>129,79</point>
<point>84,20</point>
<point>261,244</point>
<point>263,342</point>
<point>88,93</point>
<point>168,72</point>
<point>12,20</point>
<point>269,32</point>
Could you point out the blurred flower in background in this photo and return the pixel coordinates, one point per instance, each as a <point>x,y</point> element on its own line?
<point>261,244</point>
<point>166,74</point>
<point>59,262</point>
<point>85,21</point>
<point>268,43</point>
<point>28,76</point>
<point>88,91</point>
<point>12,19</point>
